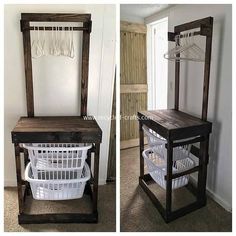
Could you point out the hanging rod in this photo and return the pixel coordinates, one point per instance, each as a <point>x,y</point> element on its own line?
<point>171,35</point>
<point>205,30</point>
<point>48,28</point>
<point>25,27</point>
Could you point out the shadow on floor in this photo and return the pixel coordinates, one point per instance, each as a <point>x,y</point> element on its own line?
<point>138,214</point>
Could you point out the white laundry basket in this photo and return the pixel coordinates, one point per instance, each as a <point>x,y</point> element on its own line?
<point>157,144</point>
<point>69,187</point>
<point>153,137</point>
<point>157,169</point>
<point>55,156</point>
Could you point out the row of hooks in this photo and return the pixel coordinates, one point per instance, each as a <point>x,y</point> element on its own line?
<point>185,49</point>
<point>61,42</point>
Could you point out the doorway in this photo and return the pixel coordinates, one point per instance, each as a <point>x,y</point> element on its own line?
<point>157,65</point>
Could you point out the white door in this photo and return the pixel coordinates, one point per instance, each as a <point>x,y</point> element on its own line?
<point>157,65</point>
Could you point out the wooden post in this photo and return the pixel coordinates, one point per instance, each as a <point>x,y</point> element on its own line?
<point>202,174</point>
<point>89,158</point>
<point>18,177</point>
<point>141,148</point>
<point>207,68</point>
<point>28,69</point>
<point>96,177</point>
<point>169,178</point>
<point>26,161</point>
<point>26,157</point>
<point>85,68</point>
<point>177,74</point>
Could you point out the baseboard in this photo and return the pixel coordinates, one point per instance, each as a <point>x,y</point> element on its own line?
<point>102,182</point>
<point>131,143</point>
<point>215,197</point>
<point>9,183</point>
<point>219,200</point>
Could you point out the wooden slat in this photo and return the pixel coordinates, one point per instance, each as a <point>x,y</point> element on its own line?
<point>48,28</point>
<point>56,129</point>
<point>52,123</point>
<point>172,119</point>
<point>56,17</point>
<point>186,172</point>
<point>133,88</point>
<point>133,58</point>
<point>133,79</point>
<point>174,124</point>
<point>130,103</point>
<point>58,218</point>
<point>133,27</point>
<point>189,141</point>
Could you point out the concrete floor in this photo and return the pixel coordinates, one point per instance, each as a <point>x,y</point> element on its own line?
<point>139,214</point>
<point>106,209</point>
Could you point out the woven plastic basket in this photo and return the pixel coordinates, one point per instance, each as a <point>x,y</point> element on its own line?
<point>157,144</point>
<point>68,186</point>
<point>55,156</point>
<point>157,169</point>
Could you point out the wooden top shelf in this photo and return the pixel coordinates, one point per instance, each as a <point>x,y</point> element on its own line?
<point>56,129</point>
<point>174,124</point>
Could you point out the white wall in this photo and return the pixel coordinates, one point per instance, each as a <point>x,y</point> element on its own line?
<point>128,13</point>
<point>219,180</point>
<point>54,75</point>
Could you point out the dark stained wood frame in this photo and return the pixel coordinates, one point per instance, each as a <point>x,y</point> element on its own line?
<point>206,28</point>
<point>27,136</point>
<point>26,18</point>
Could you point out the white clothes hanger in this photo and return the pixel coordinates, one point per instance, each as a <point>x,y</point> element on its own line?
<point>43,42</point>
<point>61,42</point>
<point>187,50</point>
<point>72,54</point>
<point>57,43</point>
<point>36,49</point>
<point>51,43</point>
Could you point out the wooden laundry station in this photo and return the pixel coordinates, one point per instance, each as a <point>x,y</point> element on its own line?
<point>56,129</point>
<point>179,128</point>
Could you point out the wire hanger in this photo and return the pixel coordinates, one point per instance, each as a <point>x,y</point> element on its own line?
<point>187,50</point>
